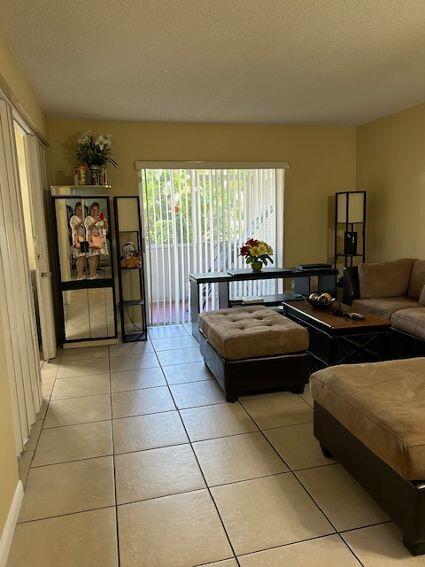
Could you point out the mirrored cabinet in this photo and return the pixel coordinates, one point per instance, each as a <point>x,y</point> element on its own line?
<point>85,265</point>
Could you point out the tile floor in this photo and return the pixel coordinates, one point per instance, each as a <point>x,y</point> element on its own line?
<point>137,460</point>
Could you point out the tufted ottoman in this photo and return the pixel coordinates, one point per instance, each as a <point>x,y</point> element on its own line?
<point>371,418</point>
<point>253,349</point>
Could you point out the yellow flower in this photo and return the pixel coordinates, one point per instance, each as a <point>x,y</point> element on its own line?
<point>253,250</point>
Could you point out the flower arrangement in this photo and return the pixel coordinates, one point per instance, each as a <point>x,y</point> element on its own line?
<point>95,151</point>
<point>256,252</point>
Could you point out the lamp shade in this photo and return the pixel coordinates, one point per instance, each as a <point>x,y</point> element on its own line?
<point>351,207</point>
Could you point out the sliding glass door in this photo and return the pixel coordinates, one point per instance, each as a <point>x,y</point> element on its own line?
<point>195,221</point>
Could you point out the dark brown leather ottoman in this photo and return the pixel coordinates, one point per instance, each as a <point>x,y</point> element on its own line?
<point>254,349</point>
<point>371,418</point>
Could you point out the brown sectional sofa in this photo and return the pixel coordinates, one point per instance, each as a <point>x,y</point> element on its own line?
<point>371,419</point>
<point>392,290</point>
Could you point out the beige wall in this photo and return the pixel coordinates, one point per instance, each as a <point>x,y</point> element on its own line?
<point>8,461</point>
<point>391,167</point>
<point>14,82</point>
<point>16,86</point>
<point>321,159</point>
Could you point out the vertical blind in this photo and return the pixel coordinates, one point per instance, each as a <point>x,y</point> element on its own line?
<point>195,220</point>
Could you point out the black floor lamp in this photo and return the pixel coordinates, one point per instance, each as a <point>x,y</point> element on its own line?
<point>350,227</point>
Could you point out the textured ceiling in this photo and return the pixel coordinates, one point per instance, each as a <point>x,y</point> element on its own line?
<point>280,61</point>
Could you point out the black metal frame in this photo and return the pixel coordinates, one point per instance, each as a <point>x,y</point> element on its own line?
<point>84,284</point>
<point>349,227</point>
<point>143,335</point>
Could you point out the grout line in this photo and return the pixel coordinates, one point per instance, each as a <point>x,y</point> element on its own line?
<point>76,423</point>
<point>72,461</point>
<point>323,536</point>
<point>292,471</point>
<point>205,480</point>
<point>350,550</point>
<point>42,420</point>
<point>342,532</point>
<point>191,443</point>
<point>114,468</point>
<point>79,397</point>
<point>67,514</point>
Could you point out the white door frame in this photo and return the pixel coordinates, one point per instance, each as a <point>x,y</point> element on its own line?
<point>37,183</point>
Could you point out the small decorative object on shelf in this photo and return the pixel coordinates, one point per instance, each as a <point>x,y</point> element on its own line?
<point>256,253</point>
<point>130,258</point>
<point>80,177</point>
<point>321,300</point>
<point>350,228</point>
<point>96,154</point>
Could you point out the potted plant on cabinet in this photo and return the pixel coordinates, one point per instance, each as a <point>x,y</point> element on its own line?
<point>96,154</point>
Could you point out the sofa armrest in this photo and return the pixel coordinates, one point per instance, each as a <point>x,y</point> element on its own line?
<point>351,284</point>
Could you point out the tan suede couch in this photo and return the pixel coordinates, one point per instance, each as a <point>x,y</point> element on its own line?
<point>393,290</point>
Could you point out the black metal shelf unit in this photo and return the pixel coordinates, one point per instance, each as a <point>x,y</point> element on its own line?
<point>350,227</point>
<point>131,282</point>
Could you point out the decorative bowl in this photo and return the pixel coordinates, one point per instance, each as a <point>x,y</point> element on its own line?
<point>321,300</point>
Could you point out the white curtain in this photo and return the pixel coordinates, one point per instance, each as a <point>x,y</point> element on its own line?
<point>195,220</point>
<point>16,308</point>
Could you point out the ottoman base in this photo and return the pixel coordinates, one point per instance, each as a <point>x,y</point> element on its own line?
<point>249,375</point>
<point>401,499</point>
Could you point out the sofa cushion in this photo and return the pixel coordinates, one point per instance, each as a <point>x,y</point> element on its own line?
<point>411,321</point>
<point>384,307</point>
<point>383,405</point>
<point>417,279</point>
<point>388,279</point>
<point>422,297</point>
<point>252,331</point>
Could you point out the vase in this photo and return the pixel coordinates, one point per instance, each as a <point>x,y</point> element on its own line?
<point>256,266</point>
<point>80,174</point>
<point>103,176</point>
<point>95,173</point>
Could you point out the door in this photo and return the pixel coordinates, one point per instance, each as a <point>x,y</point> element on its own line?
<point>17,306</point>
<point>196,220</point>
<point>38,186</point>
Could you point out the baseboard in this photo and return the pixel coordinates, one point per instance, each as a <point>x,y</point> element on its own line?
<point>9,527</point>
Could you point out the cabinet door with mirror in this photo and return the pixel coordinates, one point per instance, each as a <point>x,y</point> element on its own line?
<point>85,271</point>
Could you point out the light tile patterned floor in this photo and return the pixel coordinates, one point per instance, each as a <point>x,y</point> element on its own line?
<point>137,460</point>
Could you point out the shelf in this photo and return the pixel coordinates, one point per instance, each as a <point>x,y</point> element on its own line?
<point>134,263</point>
<point>132,302</point>
<point>342,254</point>
<point>270,299</point>
<point>134,337</point>
<point>81,186</point>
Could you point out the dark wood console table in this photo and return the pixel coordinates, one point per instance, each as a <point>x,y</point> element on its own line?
<point>302,278</point>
